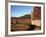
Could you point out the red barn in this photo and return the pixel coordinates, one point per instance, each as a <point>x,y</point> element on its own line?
<point>36,16</point>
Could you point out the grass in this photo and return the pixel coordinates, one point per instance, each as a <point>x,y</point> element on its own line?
<point>29,25</point>
<point>23,24</point>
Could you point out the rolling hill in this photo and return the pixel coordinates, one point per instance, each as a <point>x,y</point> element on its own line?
<point>25,16</point>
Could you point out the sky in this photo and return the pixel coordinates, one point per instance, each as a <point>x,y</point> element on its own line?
<point>17,11</point>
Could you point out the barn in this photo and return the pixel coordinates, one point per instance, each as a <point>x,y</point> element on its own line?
<point>36,16</point>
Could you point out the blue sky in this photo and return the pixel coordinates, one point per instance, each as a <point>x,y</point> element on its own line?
<point>17,11</point>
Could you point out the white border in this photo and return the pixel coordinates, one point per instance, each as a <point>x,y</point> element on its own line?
<point>23,32</point>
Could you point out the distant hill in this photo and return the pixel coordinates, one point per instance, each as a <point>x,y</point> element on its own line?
<point>25,16</point>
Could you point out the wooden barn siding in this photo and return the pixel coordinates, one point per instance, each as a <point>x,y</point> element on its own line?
<point>22,20</point>
<point>36,14</point>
